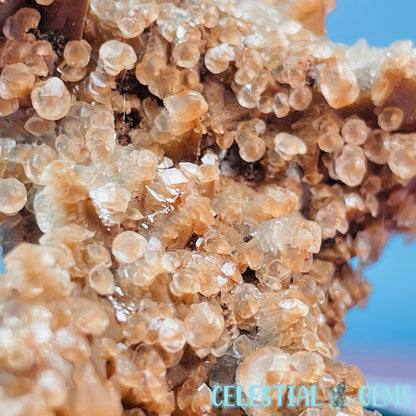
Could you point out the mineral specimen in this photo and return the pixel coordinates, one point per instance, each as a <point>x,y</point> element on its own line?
<point>181,190</point>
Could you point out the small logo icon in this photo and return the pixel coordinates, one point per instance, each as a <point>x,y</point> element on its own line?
<point>336,397</point>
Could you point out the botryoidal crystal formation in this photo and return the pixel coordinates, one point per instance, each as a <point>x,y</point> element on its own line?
<point>181,190</point>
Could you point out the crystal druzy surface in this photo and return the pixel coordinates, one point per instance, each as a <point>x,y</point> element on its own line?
<point>182,186</point>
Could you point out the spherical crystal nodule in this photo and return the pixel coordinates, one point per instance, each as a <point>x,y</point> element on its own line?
<point>51,99</point>
<point>12,195</point>
<point>116,56</point>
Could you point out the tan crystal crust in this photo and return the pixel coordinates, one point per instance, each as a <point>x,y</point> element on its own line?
<point>180,193</point>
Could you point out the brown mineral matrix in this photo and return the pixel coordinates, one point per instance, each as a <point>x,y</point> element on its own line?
<point>182,186</point>
<point>64,16</point>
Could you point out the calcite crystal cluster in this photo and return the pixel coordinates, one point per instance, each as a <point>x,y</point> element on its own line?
<point>181,189</point>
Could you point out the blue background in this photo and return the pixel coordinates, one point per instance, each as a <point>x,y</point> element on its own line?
<point>380,22</point>
<point>381,339</point>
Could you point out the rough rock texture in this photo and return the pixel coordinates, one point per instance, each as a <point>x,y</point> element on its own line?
<point>180,193</point>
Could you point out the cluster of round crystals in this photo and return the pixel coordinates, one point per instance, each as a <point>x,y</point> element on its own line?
<point>127,17</point>
<point>13,196</point>
<point>180,194</point>
<point>76,58</point>
<point>23,59</point>
<point>113,57</point>
<point>51,99</point>
<point>251,146</point>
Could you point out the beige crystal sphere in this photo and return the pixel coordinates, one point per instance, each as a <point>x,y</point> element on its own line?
<point>288,145</point>
<point>77,53</point>
<point>51,99</point>
<point>354,131</point>
<point>390,118</point>
<point>89,317</point>
<point>350,165</point>
<point>129,246</point>
<point>281,105</point>
<point>172,335</point>
<point>300,98</point>
<point>101,280</point>
<point>186,54</point>
<point>16,80</point>
<point>402,158</point>
<point>265,366</point>
<point>203,325</point>
<point>339,84</point>
<point>218,58</point>
<point>52,387</point>
<point>330,142</point>
<point>12,195</point>
<point>116,56</point>
<point>186,106</point>
<point>8,107</point>
<point>252,149</point>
